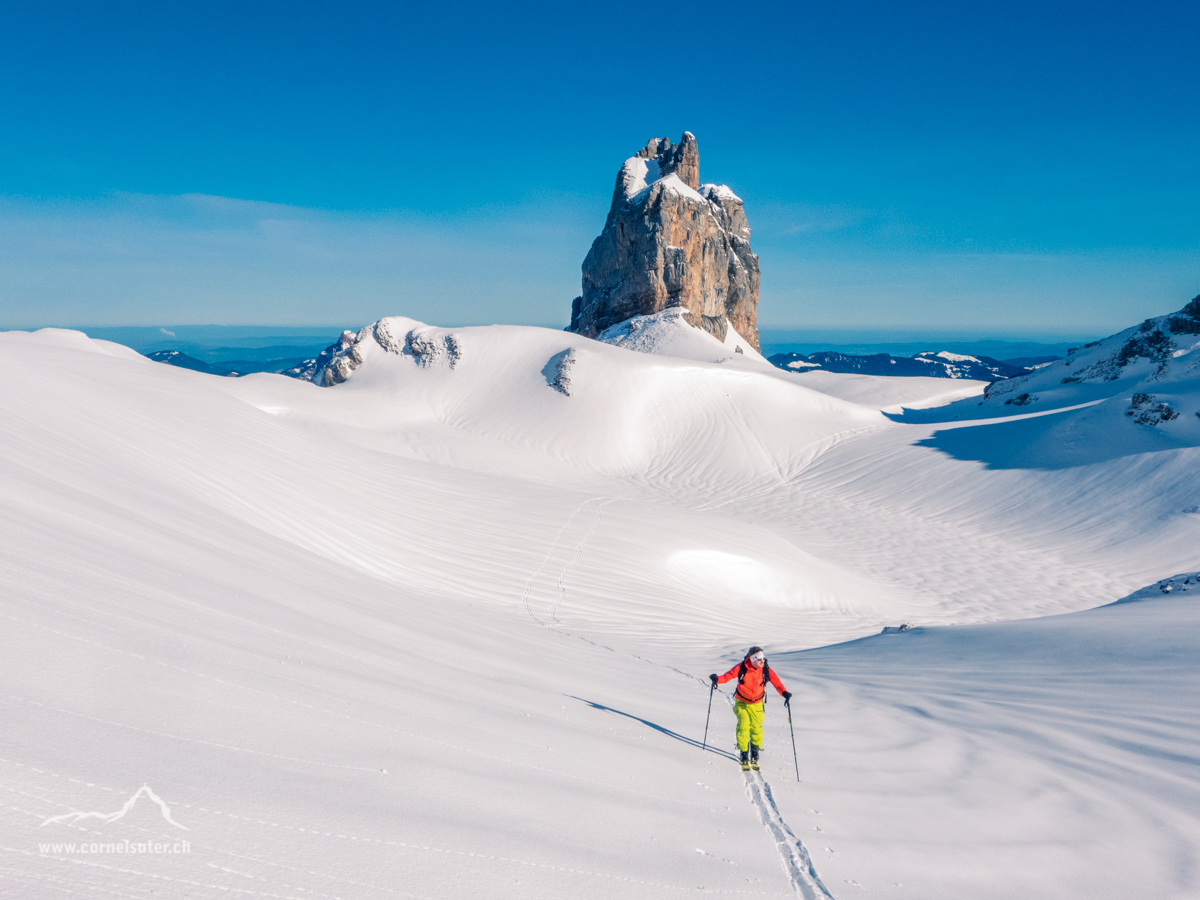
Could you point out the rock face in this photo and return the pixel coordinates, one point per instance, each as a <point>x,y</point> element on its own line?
<point>671,242</point>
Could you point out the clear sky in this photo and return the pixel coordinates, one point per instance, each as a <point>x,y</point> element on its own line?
<point>1006,168</point>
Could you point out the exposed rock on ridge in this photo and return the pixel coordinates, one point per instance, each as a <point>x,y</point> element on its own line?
<point>1154,366</point>
<point>427,347</point>
<point>559,370</point>
<point>671,242</point>
<point>683,159</point>
<point>1154,351</point>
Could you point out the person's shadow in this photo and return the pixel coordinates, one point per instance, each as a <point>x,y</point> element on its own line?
<point>667,731</point>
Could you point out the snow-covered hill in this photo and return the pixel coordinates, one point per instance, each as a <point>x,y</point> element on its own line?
<point>1134,393</point>
<point>443,629</point>
<point>1156,362</point>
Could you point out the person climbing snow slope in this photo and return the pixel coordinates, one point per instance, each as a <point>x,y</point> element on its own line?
<point>752,675</point>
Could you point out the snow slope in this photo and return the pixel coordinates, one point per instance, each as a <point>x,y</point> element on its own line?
<point>1051,757</point>
<point>1129,395</point>
<point>892,394</point>
<point>444,632</point>
<point>668,334</point>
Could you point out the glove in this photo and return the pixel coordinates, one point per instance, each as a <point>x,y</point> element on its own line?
<point>713,678</point>
<point>787,695</point>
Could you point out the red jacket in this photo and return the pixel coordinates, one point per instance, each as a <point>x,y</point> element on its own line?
<point>752,689</point>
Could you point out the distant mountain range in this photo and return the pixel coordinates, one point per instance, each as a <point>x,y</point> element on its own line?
<point>935,364</point>
<point>176,358</point>
<point>225,366</point>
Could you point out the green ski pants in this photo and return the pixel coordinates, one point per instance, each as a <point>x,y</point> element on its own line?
<point>749,724</point>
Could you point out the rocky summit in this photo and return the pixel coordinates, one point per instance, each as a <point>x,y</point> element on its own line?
<point>670,241</point>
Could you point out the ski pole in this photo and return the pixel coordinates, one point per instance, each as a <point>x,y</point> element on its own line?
<point>704,746</point>
<point>788,704</point>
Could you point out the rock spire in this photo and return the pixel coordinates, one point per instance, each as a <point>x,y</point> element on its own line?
<point>670,241</point>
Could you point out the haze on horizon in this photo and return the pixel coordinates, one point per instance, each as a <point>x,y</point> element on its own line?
<point>1009,170</point>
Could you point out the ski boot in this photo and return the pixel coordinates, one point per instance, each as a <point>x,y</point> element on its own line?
<point>745,760</point>
<point>754,751</point>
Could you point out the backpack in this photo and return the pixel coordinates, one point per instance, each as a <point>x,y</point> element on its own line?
<point>766,674</point>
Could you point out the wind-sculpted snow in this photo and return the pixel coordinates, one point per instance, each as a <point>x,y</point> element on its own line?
<point>444,631</point>
<point>1051,725</point>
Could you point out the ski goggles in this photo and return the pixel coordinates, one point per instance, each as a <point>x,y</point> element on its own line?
<point>758,657</point>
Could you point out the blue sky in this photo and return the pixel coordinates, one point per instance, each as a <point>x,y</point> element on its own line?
<point>1005,168</point>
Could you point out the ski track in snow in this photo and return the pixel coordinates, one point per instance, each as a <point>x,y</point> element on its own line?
<point>550,555</point>
<point>560,587</point>
<point>795,858</point>
<point>562,577</point>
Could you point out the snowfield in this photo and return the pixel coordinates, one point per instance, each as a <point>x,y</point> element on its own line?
<point>443,630</point>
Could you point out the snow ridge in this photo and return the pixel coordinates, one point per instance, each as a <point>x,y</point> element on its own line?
<point>668,333</point>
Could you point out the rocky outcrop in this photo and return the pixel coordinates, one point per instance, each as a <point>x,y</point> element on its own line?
<point>1154,367</point>
<point>558,370</point>
<point>427,347</point>
<point>683,159</point>
<point>671,242</point>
